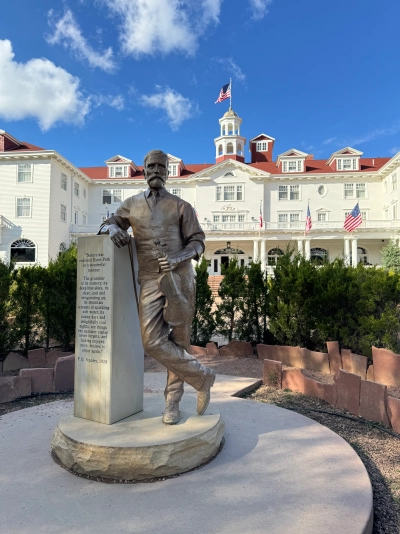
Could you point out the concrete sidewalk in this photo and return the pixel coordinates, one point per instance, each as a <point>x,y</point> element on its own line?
<point>279,472</point>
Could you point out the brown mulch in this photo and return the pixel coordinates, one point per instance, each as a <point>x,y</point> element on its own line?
<point>379,451</point>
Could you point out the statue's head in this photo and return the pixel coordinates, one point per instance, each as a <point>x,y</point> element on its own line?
<point>156,169</point>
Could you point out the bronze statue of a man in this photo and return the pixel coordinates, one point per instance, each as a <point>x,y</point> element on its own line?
<point>168,237</point>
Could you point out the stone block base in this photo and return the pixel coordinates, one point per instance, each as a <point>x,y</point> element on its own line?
<point>139,447</point>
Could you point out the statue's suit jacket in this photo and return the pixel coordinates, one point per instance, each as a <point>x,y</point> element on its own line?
<point>172,221</point>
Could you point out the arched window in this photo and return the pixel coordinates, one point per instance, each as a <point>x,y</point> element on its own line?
<point>362,256</point>
<point>229,148</point>
<point>220,150</point>
<point>23,251</point>
<point>273,255</point>
<point>223,130</point>
<point>239,149</point>
<point>62,248</point>
<point>230,129</point>
<point>229,250</point>
<point>318,255</point>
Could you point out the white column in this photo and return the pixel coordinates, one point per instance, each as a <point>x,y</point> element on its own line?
<point>300,246</point>
<point>354,252</point>
<point>255,250</point>
<point>263,255</point>
<point>308,248</point>
<point>346,251</point>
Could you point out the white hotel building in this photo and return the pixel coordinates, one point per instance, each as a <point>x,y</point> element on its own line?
<point>45,201</point>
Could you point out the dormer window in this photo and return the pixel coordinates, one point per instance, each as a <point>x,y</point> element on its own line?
<point>294,165</point>
<point>173,170</point>
<point>347,164</point>
<point>261,146</point>
<point>118,171</point>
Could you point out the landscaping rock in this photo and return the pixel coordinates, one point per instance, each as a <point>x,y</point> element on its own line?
<point>37,358</point>
<point>394,413</point>
<point>239,349</point>
<point>285,354</point>
<point>212,349</point>
<point>335,359</point>
<point>272,373</point>
<point>346,360</point>
<point>52,357</point>
<point>15,362</point>
<point>64,373</point>
<point>320,390</point>
<point>359,365</point>
<point>293,379</point>
<point>198,351</point>
<point>386,367</point>
<point>42,379</point>
<point>348,391</point>
<point>370,373</point>
<point>373,402</point>
<point>315,361</point>
<point>13,387</point>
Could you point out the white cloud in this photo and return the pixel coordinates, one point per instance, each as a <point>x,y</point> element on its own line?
<point>232,67</point>
<point>259,8</point>
<point>39,89</point>
<point>176,107</point>
<point>151,26</point>
<point>67,32</point>
<point>328,141</point>
<point>382,132</point>
<point>116,102</point>
<point>394,150</point>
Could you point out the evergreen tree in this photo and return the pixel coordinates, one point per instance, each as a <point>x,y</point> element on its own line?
<point>391,257</point>
<point>231,292</point>
<point>6,337</point>
<point>25,297</point>
<point>48,300</point>
<point>252,324</point>
<point>203,324</point>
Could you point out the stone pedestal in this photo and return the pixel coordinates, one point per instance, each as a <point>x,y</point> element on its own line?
<point>140,447</point>
<point>108,349</point>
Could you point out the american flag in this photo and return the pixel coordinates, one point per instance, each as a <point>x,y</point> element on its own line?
<point>261,218</point>
<point>224,93</point>
<point>308,220</point>
<point>353,219</point>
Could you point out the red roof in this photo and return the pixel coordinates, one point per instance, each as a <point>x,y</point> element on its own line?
<point>101,173</point>
<point>23,147</point>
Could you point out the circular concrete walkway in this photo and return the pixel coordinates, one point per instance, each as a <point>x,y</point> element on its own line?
<point>278,473</point>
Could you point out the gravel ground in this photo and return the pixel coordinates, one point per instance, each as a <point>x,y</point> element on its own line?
<point>379,451</point>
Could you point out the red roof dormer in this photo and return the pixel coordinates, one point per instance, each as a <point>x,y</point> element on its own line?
<point>261,148</point>
<point>7,142</point>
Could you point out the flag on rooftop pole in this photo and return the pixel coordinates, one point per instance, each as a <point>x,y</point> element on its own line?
<point>353,219</point>
<point>308,220</point>
<point>224,93</point>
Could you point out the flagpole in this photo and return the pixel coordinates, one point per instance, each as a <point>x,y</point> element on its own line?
<point>230,83</point>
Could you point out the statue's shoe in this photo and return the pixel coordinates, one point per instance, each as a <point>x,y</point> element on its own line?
<point>203,395</point>
<point>172,415</point>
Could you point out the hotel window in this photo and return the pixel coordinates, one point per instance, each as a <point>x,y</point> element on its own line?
<point>360,190</point>
<point>230,192</point>
<point>289,193</point>
<point>241,218</point>
<point>363,214</point>
<point>216,218</point>
<point>219,192</point>
<point>173,170</point>
<point>262,146</point>
<point>347,164</point>
<point>63,212</point>
<point>75,217</point>
<point>282,219</point>
<point>394,211</point>
<point>84,192</point>
<point>118,171</point>
<point>394,182</point>
<point>322,217</point>
<point>293,165</point>
<point>294,217</point>
<point>107,196</point>
<point>273,256</point>
<point>117,196</point>
<point>64,181</point>
<point>177,192</point>
<point>348,190</point>
<point>283,192</point>
<point>25,172</point>
<point>76,189</point>
<point>24,207</point>
<point>294,192</point>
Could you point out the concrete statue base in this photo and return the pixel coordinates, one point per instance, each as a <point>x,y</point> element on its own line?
<point>139,447</point>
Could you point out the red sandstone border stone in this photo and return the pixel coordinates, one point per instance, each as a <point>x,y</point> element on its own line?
<point>197,351</point>
<point>15,362</point>
<point>370,373</point>
<point>373,402</point>
<point>348,391</point>
<point>394,413</point>
<point>64,373</point>
<point>346,360</point>
<point>212,349</point>
<point>285,354</point>
<point>386,367</point>
<point>272,373</point>
<point>359,365</point>
<point>42,379</point>
<point>37,358</point>
<point>240,349</point>
<point>293,379</point>
<point>315,361</point>
<point>13,387</point>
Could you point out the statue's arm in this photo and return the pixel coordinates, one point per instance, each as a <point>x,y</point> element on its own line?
<point>116,225</point>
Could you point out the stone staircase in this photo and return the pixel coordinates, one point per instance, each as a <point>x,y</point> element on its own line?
<point>214,282</point>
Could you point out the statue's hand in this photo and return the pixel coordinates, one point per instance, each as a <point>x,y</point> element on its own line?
<point>118,236</point>
<point>168,263</point>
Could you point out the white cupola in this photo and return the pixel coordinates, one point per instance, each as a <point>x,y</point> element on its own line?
<point>230,144</point>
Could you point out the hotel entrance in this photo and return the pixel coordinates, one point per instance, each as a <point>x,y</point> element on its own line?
<point>221,258</point>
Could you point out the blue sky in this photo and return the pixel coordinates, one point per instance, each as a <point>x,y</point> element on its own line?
<point>95,78</point>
